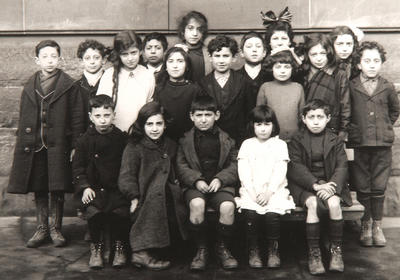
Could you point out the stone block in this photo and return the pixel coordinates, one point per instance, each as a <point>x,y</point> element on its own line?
<point>392,197</point>
<point>11,15</point>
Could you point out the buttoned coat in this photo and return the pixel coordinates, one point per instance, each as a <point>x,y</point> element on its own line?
<point>189,168</point>
<point>373,115</point>
<point>65,124</point>
<point>299,173</point>
<point>147,169</point>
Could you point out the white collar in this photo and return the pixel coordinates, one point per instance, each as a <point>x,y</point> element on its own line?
<point>93,78</point>
<point>153,69</point>
<point>252,71</point>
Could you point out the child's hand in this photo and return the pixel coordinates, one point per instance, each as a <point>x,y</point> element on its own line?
<point>88,195</point>
<point>134,204</point>
<point>182,46</point>
<point>323,194</point>
<point>202,186</point>
<point>329,187</point>
<point>263,198</point>
<point>214,185</point>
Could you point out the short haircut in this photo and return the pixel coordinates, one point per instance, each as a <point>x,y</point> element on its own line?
<point>47,43</point>
<point>156,36</point>
<point>101,100</point>
<point>90,44</point>
<point>199,17</point>
<point>260,114</point>
<point>281,57</point>
<point>249,35</point>
<point>370,45</point>
<point>203,103</point>
<point>222,41</point>
<point>314,105</point>
<point>313,40</point>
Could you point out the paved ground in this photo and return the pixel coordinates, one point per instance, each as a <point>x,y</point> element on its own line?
<point>47,262</point>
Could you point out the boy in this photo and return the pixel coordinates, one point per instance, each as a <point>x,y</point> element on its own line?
<point>95,169</point>
<point>207,170</point>
<point>51,119</point>
<point>317,174</point>
<point>252,49</point>
<point>91,54</point>
<point>375,108</point>
<point>155,44</point>
<point>227,87</point>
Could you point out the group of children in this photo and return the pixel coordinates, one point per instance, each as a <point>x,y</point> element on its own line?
<point>261,139</point>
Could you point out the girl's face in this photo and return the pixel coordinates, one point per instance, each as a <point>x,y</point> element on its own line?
<point>318,56</point>
<point>130,58</point>
<point>154,127</point>
<point>278,39</point>
<point>176,66</point>
<point>282,71</point>
<point>193,32</point>
<point>92,60</point>
<point>344,45</point>
<point>253,50</point>
<point>263,130</point>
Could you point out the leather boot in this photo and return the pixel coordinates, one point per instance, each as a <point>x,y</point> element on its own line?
<point>336,263</point>
<point>366,233</point>
<point>144,259</point>
<point>119,255</point>
<point>378,237</point>
<point>225,256</point>
<point>96,255</point>
<point>57,210</point>
<point>199,261</point>
<point>274,260</point>
<point>315,264</point>
<point>254,258</point>
<point>42,229</point>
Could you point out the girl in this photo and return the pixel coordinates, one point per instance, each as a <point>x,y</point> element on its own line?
<point>129,84</point>
<point>323,80</point>
<point>262,165</point>
<point>279,33</point>
<point>147,179</point>
<point>175,93</point>
<point>345,41</point>
<point>285,97</point>
<point>192,30</point>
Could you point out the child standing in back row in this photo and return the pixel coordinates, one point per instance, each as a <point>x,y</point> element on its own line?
<point>51,120</point>
<point>375,108</point>
<point>129,84</point>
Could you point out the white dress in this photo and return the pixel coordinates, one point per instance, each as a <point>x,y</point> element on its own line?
<point>135,88</point>
<point>262,166</point>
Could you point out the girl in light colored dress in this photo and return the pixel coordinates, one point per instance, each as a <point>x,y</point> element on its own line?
<point>262,165</point>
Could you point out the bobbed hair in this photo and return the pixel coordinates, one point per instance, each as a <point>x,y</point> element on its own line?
<point>263,113</point>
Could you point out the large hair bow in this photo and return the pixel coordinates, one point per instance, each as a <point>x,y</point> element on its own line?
<point>270,17</point>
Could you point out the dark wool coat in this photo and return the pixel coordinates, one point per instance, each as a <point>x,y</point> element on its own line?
<point>96,164</point>
<point>189,168</point>
<point>233,108</point>
<point>86,91</point>
<point>331,86</point>
<point>373,115</point>
<point>65,124</point>
<point>147,169</point>
<point>299,173</point>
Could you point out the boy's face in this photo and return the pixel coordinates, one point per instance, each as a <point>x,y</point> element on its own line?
<point>193,34</point>
<point>253,51</point>
<point>48,60</point>
<point>154,127</point>
<point>203,119</point>
<point>316,120</point>
<point>370,63</point>
<point>154,52</point>
<point>318,56</point>
<point>176,66</point>
<point>279,39</point>
<point>92,60</point>
<point>282,71</point>
<point>130,58</point>
<point>222,60</point>
<point>343,45</point>
<point>102,118</point>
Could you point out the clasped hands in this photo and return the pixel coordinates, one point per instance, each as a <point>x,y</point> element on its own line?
<point>214,186</point>
<point>325,190</point>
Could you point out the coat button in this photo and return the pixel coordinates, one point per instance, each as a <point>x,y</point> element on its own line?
<point>164,156</point>
<point>27,149</point>
<point>28,130</point>
<point>371,113</point>
<point>44,124</point>
<point>96,155</point>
